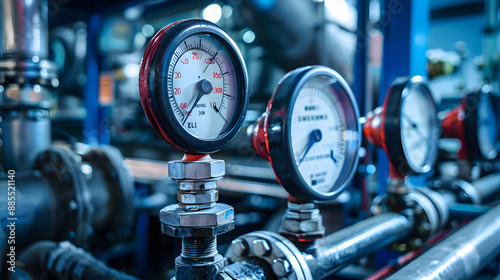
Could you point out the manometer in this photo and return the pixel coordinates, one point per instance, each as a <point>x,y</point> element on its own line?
<point>194,87</point>
<point>475,123</point>
<point>406,127</point>
<point>310,133</point>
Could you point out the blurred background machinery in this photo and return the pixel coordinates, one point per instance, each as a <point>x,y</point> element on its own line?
<point>418,194</point>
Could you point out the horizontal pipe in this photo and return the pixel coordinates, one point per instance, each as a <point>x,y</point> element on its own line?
<point>462,255</point>
<point>467,211</point>
<point>65,261</point>
<point>338,249</point>
<point>487,185</point>
<point>36,208</point>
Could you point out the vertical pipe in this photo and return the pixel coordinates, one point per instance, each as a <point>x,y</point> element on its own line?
<point>460,256</point>
<point>24,134</point>
<point>489,41</point>
<point>91,121</point>
<point>24,28</point>
<point>405,27</point>
<point>360,59</point>
<point>24,115</point>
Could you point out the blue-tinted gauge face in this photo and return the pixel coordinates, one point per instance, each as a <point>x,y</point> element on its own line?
<point>419,129</point>
<point>318,128</point>
<point>487,128</point>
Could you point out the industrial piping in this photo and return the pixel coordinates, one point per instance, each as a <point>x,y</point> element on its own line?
<point>460,256</point>
<point>336,250</point>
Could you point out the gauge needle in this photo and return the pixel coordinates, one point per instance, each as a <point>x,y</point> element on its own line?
<point>217,110</point>
<point>204,87</point>
<point>211,59</point>
<point>332,156</point>
<point>415,127</point>
<point>314,137</point>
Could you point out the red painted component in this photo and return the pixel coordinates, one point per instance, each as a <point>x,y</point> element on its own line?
<point>374,131</point>
<point>293,199</point>
<point>453,126</point>
<point>144,83</point>
<point>259,137</point>
<point>196,157</point>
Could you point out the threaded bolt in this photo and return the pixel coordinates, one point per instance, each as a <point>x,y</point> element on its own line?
<point>199,247</point>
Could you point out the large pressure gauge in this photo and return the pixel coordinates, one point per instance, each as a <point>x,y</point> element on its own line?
<point>310,133</point>
<point>406,127</point>
<point>194,87</point>
<point>475,123</point>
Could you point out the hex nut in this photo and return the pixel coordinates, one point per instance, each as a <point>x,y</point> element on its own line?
<point>239,247</point>
<point>190,185</point>
<point>301,206</point>
<point>281,267</point>
<point>302,214</point>
<point>293,225</point>
<point>196,231</point>
<point>261,247</point>
<point>203,169</point>
<point>197,197</point>
<point>176,216</point>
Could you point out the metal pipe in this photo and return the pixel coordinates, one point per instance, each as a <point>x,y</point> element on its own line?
<point>336,250</point>
<point>461,255</point>
<point>24,25</point>
<point>24,75</point>
<point>24,135</point>
<point>251,269</point>
<point>36,209</point>
<point>489,47</point>
<point>65,261</point>
<point>487,185</point>
<point>294,36</point>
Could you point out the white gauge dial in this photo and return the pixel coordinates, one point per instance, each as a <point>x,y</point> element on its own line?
<point>417,128</point>
<point>202,87</point>
<point>317,134</point>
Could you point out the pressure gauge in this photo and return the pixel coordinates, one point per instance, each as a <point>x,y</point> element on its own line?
<point>475,123</point>
<point>310,133</point>
<point>406,127</point>
<point>194,86</point>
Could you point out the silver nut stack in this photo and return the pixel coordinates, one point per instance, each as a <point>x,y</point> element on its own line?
<point>197,218</point>
<point>302,223</point>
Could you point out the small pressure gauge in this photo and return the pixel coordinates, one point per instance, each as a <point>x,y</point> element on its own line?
<point>406,127</point>
<point>194,86</point>
<point>310,133</point>
<point>475,123</point>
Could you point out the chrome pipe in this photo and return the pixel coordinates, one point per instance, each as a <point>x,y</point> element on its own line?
<point>338,249</point>
<point>24,25</point>
<point>487,185</point>
<point>460,256</point>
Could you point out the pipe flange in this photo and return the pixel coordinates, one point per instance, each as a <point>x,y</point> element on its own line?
<point>28,70</point>
<point>439,202</point>
<point>285,259</point>
<point>426,215</point>
<point>118,177</point>
<point>464,191</point>
<point>62,169</point>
